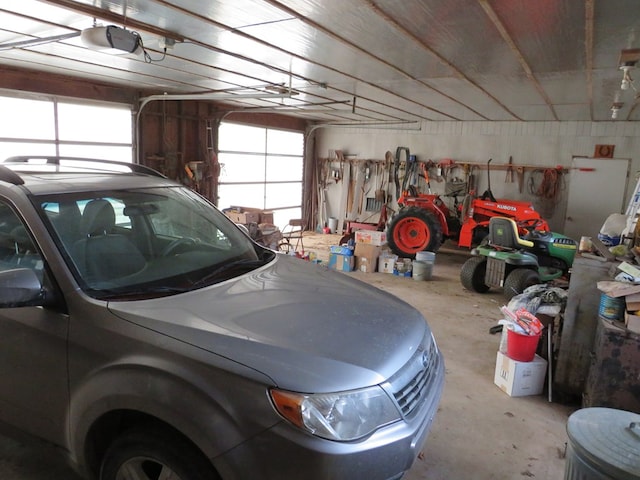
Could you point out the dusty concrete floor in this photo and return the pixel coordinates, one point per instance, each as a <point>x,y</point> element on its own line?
<point>479,433</point>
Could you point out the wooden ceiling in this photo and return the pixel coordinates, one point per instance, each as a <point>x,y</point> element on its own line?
<point>351,61</point>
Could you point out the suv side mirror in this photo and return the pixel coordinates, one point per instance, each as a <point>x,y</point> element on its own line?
<point>20,287</point>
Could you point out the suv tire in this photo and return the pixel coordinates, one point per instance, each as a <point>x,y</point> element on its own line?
<point>154,454</point>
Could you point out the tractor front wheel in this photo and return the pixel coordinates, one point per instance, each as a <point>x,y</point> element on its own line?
<point>414,230</point>
<point>518,280</point>
<point>472,274</point>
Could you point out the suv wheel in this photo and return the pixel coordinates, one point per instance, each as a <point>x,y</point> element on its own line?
<point>154,455</point>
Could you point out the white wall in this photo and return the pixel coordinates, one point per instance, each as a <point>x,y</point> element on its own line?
<point>543,144</point>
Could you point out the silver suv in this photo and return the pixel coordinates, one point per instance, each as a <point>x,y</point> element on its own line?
<point>149,337</point>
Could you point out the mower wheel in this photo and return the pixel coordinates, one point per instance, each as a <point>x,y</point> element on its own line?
<point>472,274</point>
<point>518,280</point>
<point>414,230</point>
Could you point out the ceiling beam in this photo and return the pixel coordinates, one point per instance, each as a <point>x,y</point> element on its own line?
<point>391,20</point>
<point>588,51</point>
<point>368,53</point>
<point>242,34</point>
<point>493,16</point>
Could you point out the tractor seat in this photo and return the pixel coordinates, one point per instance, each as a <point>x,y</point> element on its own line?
<point>503,233</point>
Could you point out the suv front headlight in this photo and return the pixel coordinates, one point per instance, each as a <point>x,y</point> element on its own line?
<point>342,416</point>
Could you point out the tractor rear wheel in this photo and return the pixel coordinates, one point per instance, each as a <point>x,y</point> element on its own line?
<point>518,280</point>
<point>472,274</point>
<point>414,230</point>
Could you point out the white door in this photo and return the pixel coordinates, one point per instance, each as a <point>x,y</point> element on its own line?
<point>596,190</point>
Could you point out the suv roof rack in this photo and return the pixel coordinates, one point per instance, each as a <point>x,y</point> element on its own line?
<point>53,160</point>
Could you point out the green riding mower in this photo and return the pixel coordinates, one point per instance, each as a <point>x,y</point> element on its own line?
<point>510,262</point>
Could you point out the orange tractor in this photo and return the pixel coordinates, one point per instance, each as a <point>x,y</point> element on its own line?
<point>425,221</point>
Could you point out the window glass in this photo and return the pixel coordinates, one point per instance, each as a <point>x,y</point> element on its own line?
<point>28,118</point>
<point>146,242</point>
<point>102,131</point>
<point>100,152</point>
<point>283,142</point>
<point>12,149</point>
<point>94,123</point>
<point>240,168</point>
<point>280,195</point>
<point>281,217</point>
<point>17,249</point>
<point>269,178</point>
<point>242,195</point>
<point>284,169</point>
<point>241,138</point>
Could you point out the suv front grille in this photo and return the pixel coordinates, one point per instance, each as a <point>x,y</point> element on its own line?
<point>410,386</point>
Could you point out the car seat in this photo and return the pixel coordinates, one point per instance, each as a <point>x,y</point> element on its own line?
<point>103,255</point>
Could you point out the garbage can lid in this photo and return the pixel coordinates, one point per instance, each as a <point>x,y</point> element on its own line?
<point>609,439</point>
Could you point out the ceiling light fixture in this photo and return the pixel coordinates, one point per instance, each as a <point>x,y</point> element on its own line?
<point>628,60</point>
<point>626,78</point>
<point>112,39</point>
<point>615,108</point>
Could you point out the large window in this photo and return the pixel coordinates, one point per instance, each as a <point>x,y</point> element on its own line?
<point>261,168</point>
<point>49,126</point>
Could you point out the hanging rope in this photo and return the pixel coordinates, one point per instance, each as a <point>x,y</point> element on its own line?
<point>547,185</point>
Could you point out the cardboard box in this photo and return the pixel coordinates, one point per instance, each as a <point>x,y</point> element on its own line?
<point>367,257</point>
<point>632,321</point>
<point>250,215</point>
<point>266,217</point>
<point>633,302</point>
<point>518,379</point>
<point>341,249</point>
<point>371,236</point>
<point>244,218</point>
<point>387,263</point>
<point>343,263</point>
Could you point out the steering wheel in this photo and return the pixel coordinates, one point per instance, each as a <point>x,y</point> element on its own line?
<point>176,244</point>
<point>531,226</point>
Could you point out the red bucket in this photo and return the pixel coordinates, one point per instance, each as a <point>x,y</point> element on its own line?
<point>521,347</point>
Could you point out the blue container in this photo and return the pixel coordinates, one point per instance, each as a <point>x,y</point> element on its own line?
<point>611,308</point>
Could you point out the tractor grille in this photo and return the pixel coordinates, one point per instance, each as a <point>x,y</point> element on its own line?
<point>411,385</point>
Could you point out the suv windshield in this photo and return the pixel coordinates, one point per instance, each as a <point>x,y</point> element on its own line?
<point>143,243</point>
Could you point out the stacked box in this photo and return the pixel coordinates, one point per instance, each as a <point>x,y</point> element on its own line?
<point>244,218</point>
<point>371,237</point>
<point>387,263</point>
<point>343,263</point>
<point>367,257</point>
<point>518,379</point>
<point>341,250</point>
<point>247,215</point>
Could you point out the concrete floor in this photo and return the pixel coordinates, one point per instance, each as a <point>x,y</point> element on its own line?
<point>479,433</point>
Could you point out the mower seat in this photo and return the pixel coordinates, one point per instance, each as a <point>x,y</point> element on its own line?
<point>503,233</point>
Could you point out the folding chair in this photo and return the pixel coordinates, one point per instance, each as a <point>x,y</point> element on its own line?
<point>292,231</point>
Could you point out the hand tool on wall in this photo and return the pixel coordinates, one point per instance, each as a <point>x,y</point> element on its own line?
<point>520,172</point>
<point>509,176</point>
<point>396,168</point>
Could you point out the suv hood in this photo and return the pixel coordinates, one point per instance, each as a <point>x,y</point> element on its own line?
<point>308,328</point>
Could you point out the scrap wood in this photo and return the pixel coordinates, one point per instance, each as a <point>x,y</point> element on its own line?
<point>617,289</point>
<point>602,249</point>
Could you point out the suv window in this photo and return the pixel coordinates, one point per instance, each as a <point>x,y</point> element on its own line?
<point>17,249</point>
<point>146,242</point>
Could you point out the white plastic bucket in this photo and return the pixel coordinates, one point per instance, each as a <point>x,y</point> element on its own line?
<point>422,270</point>
<point>333,224</point>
